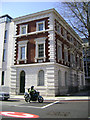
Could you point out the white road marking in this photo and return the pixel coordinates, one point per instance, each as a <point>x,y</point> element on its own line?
<point>49,104</point>
<point>26,106</point>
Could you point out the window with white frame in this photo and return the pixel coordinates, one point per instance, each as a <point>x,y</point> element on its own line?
<point>40,26</point>
<point>58,27</point>
<point>22,51</point>
<point>23,29</point>
<point>65,54</point>
<point>40,49</point>
<point>41,78</point>
<point>59,50</point>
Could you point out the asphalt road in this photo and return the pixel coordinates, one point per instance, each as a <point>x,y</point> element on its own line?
<point>48,109</point>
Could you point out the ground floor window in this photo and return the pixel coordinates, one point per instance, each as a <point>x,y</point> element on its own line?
<point>41,78</point>
<point>66,78</point>
<point>2,78</point>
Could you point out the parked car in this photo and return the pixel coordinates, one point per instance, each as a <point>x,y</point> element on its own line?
<point>4,96</point>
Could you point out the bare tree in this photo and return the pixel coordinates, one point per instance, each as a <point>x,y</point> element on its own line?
<point>78,16</point>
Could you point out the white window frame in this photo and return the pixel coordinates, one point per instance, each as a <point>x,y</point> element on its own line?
<point>40,41</point>
<point>59,43</point>
<point>21,26</point>
<point>20,45</point>
<point>37,24</point>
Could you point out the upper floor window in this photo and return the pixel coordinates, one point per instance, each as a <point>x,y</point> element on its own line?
<point>58,28</point>
<point>40,49</point>
<point>72,39</point>
<point>5,36</point>
<point>65,54</point>
<point>23,29</point>
<point>40,26</point>
<point>22,51</point>
<point>59,50</point>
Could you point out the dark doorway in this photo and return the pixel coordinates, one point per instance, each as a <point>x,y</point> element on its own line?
<point>22,82</point>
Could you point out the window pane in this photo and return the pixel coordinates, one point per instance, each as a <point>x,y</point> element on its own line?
<point>40,26</point>
<point>22,52</point>
<point>24,30</point>
<point>41,50</point>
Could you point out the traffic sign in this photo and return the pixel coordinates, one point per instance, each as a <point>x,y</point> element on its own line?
<point>18,114</point>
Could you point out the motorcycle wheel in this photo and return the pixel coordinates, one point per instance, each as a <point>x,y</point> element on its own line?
<point>40,99</point>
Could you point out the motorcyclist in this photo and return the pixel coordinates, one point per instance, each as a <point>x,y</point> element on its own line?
<point>32,91</point>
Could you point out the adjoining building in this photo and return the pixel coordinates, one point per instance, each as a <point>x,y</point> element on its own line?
<point>47,53</point>
<point>6,51</point>
<point>86,59</point>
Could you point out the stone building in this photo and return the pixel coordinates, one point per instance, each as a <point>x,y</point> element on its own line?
<point>6,51</point>
<point>47,55</point>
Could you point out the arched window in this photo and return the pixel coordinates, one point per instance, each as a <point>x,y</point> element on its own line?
<point>66,78</point>
<point>41,78</point>
<point>22,82</point>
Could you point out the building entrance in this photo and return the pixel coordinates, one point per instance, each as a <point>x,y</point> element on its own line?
<point>22,82</point>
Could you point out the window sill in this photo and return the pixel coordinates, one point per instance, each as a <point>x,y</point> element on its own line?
<point>40,58</point>
<point>21,60</point>
<point>31,33</point>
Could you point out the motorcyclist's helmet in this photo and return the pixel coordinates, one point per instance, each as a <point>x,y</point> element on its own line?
<point>28,89</point>
<point>32,87</point>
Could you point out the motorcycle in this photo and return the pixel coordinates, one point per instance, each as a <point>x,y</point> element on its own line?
<point>34,97</point>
